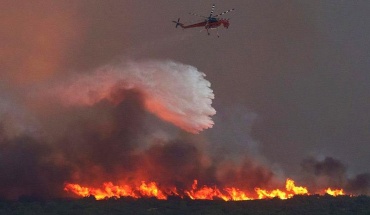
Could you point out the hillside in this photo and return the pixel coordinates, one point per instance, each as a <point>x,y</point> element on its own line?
<point>297,205</point>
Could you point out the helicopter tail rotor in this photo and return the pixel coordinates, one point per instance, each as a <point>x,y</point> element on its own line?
<point>178,23</point>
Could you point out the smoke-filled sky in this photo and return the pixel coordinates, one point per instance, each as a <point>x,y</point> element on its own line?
<point>290,81</point>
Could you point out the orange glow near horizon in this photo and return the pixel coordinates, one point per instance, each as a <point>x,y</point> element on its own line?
<point>152,189</point>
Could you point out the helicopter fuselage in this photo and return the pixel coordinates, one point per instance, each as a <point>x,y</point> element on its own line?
<point>212,23</point>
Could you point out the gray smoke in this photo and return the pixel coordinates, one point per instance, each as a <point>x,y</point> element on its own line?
<point>331,172</point>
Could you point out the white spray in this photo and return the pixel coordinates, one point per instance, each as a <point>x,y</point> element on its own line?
<point>174,92</point>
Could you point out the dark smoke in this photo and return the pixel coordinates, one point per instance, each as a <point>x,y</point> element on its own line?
<point>181,161</point>
<point>104,136</point>
<point>27,167</point>
<point>90,145</point>
<point>331,172</point>
<point>359,184</point>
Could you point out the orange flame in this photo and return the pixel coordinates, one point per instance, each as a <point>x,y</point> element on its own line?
<point>205,192</point>
<point>109,190</point>
<point>263,194</point>
<point>237,195</point>
<point>152,189</point>
<point>335,192</point>
<point>290,186</point>
<point>291,190</point>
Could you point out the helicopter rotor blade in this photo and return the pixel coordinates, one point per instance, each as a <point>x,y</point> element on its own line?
<point>198,15</point>
<point>212,10</point>
<point>224,12</point>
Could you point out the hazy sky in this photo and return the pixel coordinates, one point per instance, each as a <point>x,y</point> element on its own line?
<point>299,68</point>
<point>290,78</point>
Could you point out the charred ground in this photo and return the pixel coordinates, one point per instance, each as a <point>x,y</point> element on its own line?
<point>314,204</point>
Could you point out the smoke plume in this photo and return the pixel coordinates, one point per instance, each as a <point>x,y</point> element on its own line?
<point>328,172</point>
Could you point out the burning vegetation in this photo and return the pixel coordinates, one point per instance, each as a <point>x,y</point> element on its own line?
<point>151,189</point>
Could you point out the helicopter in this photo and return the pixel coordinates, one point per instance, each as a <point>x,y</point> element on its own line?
<point>210,22</point>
